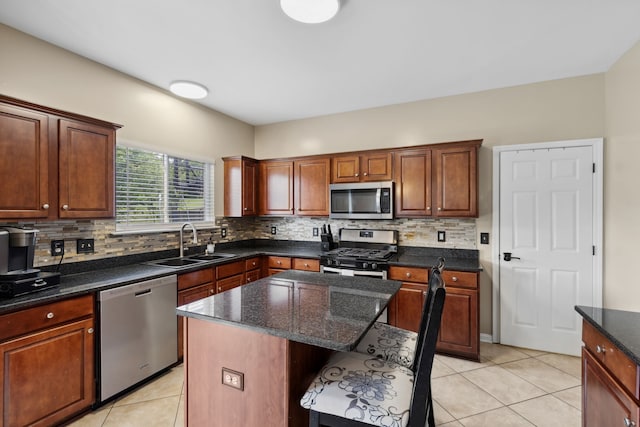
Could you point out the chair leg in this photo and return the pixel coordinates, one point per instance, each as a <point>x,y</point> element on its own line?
<point>314,419</point>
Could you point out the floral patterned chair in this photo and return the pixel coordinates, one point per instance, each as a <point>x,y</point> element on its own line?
<point>395,344</point>
<point>355,389</point>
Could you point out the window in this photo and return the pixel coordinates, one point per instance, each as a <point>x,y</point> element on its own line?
<point>155,188</point>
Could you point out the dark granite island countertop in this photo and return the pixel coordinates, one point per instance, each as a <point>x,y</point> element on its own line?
<point>323,310</point>
<point>620,327</point>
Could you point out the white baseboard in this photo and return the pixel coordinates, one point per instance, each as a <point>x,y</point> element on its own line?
<point>486,338</point>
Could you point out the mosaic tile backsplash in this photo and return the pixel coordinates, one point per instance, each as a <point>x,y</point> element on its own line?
<point>460,234</point>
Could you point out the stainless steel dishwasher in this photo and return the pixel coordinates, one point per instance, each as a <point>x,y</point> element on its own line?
<point>138,333</point>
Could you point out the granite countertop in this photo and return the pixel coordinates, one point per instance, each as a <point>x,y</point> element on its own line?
<point>93,276</point>
<point>621,327</point>
<point>323,310</point>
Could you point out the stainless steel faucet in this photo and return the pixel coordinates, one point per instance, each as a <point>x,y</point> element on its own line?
<point>195,236</point>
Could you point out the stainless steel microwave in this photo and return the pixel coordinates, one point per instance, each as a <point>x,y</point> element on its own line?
<point>369,200</point>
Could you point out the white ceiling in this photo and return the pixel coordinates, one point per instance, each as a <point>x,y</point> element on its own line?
<point>261,67</point>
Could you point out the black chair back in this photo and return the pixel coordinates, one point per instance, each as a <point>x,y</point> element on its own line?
<point>421,403</point>
<point>435,281</point>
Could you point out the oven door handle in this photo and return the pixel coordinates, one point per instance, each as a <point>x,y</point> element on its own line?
<point>349,272</point>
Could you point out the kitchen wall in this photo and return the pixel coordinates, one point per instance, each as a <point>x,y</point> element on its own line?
<point>548,111</point>
<point>622,175</point>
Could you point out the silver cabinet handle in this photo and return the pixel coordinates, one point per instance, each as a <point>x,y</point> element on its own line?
<point>600,349</point>
<point>629,423</point>
<point>65,207</point>
<point>49,315</point>
<point>45,206</point>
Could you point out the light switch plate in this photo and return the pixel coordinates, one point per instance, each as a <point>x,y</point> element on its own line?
<point>442,236</point>
<point>223,232</point>
<point>484,238</point>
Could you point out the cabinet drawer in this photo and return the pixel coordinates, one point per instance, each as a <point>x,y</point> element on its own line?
<point>306,264</point>
<point>229,283</point>
<point>612,358</point>
<point>460,279</point>
<point>253,263</point>
<point>44,316</point>
<point>280,262</point>
<point>230,269</point>
<point>409,274</point>
<point>195,278</point>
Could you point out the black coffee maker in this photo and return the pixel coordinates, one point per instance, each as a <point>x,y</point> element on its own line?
<point>17,275</point>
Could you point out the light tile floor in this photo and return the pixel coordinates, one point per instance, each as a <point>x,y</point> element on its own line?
<point>509,387</point>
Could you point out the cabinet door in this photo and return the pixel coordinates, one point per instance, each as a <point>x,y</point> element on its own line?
<point>604,402</point>
<point>376,166</point>
<point>86,165</point>
<point>345,169</point>
<point>229,283</point>
<point>312,178</point>
<point>185,297</point>
<point>24,164</point>
<point>249,187</point>
<point>456,181</point>
<point>459,332</point>
<point>48,376</point>
<point>405,309</point>
<point>413,183</point>
<point>276,188</point>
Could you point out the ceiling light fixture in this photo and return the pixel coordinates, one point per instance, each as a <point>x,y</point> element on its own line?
<point>189,90</point>
<point>310,11</point>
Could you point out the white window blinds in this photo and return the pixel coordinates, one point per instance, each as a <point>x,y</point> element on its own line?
<point>155,188</point>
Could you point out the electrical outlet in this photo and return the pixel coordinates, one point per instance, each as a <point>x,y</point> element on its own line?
<point>57,247</point>
<point>315,231</point>
<point>484,238</point>
<point>442,236</point>
<point>223,232</point>
<point>85,246</point>
<point>233,378</point>
<point>273,229</point>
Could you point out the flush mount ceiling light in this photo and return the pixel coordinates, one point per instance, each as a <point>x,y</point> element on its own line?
<point>310,11</point>
<point>189,90</point>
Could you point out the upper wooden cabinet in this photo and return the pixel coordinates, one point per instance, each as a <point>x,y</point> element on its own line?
<point>240,186</point>
<point>311,182</point>
<point>276,188</point>
<point>413,182</point>
<point>437,181</point>
<point>455,183</point>
<point>299,187</point>
<point>54,164</point>
<point>361,167</point>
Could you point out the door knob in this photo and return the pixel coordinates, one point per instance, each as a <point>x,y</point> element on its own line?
<point>509,257</point>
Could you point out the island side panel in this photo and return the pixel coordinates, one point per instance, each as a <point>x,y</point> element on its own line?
<point>263,359</point>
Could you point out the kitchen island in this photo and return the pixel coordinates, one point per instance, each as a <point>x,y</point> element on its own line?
<point>251,352</point>
<point>610,367</point>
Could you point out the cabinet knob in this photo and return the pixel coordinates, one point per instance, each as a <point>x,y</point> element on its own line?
<point>439,209</point>
<point>428,208</point>
<point>90,330</point>
<point>45,206</point>
<point>357,174</point>
<point>246,209</point>
<point>408,274</point>
<point>248,279</point>
<point>211,291</point>
<point>306,265</point>
<point>454,278</point>
<point>65,207</point>
<point>279,262</point>
<point>424,293</point>
<point>365,174</point>
<point>49,315</point>
<point>253,263</point>
<point>600,349</point>
<point>629,423</point>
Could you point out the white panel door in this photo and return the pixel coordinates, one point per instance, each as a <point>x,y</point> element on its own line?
<point>546,223</point>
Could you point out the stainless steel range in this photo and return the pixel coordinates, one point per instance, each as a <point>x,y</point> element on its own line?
<point>361,253</point>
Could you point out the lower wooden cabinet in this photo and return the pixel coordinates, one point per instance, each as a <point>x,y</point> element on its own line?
<point>459,330</point>
<point>229,276</point>
<point>610,387</point>
<point>192,287</point>
<point>306,264</point>
<point>47,373</point>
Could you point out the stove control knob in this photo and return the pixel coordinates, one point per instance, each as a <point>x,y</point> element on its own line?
<point>365,265</point>
<point>374,266</point>
<point>336,262</point>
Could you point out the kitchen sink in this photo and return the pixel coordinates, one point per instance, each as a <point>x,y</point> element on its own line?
<point>210,257</point>
<point>175,262</point>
